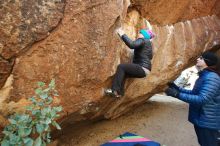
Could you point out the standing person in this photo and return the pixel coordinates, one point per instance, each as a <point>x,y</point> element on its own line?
<point>141,65</point>
<point>204,100</point>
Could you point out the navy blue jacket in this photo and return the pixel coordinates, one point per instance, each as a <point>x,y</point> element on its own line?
<point>204,100</point>
<point>142,50</point>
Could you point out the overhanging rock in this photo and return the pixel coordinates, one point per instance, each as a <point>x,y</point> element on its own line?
<point>83,52</point>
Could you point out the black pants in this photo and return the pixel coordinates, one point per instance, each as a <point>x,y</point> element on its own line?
<point>207,137</point>
<point>126,71</point>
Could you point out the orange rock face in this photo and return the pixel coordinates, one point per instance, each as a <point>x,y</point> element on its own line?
<point>164,12</point>
<point>22,23</point>
<point>82,54</point>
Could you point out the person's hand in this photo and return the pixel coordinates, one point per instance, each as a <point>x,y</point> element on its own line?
<point>120,31</point>
<point>173,85</point>
<point>172,92</point>
<point>147,24</point>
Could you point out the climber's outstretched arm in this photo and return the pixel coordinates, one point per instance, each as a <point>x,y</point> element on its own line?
<point>130,43</point>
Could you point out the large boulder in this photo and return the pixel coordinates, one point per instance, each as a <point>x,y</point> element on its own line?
<point>82,54</point>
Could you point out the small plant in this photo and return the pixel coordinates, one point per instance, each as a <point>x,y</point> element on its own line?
<point>33,127</point>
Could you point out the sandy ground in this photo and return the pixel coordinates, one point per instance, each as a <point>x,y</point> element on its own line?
<point>162,119</point>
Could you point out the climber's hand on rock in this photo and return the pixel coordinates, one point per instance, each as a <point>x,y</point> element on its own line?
<point>120,31</point>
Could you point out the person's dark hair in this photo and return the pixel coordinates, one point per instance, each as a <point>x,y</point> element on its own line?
<point>216,48</point>
<point>210,58</point>
<point>212,61</point>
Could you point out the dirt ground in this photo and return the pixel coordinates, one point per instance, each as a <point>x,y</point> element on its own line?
<point>162,119</point>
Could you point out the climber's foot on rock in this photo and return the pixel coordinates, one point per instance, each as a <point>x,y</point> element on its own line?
<point>112,93</point>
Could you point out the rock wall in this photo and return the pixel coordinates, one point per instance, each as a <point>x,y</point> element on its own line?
<point>23,23</point>
<point>162,12</point>
<point>82,52</point>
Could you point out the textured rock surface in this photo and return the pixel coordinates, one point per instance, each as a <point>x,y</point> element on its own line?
<point>21,24</point>
<point>24,22</point>
<point>171,11</point>
<point>83,52</point>
<point>81,55</point>
<point>5,70</point>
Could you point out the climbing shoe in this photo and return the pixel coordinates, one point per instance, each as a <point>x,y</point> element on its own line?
<point>112,93</point>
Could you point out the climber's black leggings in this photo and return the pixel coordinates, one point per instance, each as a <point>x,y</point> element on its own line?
<point>126,71</point>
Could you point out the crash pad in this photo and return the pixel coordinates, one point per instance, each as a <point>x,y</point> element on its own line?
<point>130,139</point>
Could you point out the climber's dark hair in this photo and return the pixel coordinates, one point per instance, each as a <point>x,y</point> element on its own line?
<point>216,49</point>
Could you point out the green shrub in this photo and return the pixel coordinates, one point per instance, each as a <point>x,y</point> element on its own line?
<point>33,127</point>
